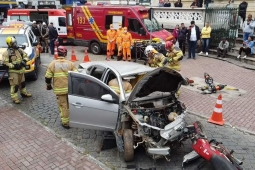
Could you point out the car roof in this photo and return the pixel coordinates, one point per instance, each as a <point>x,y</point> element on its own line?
<point>124,68</point>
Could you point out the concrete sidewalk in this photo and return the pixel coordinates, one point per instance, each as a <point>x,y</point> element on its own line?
<point>26,145</point>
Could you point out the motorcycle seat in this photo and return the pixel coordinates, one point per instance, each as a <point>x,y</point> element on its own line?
<point>221,163</point>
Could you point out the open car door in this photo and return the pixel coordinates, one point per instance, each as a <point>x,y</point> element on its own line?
<point>92,104</point>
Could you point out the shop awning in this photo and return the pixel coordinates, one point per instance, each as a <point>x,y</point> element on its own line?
<point>7,2</point>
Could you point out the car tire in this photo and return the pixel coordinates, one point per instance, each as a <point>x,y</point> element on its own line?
<point>95,48</point>
<point>34,76</point>
<point>128,145</point>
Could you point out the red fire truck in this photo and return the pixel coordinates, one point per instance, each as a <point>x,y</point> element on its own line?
<point>56,16</point>
<point>87,25</point>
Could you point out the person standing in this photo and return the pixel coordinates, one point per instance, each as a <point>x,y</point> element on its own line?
<point>206,35</point>
<point>193,37</point>
<point>53,36</point>
<point>45,37</point>
<point>119,42</point>
<point>127,44</point>
<point>167,4</point>
<point>247,48</point>
<point>58,71</point>
<point>111,41</point>
<point>36,31</point>
<point>176,32</point>
<point>223,48</point>
<point>178,4</point>
<point>182,36</point>
<point>15,59</point>
<point>248,27</point>
<point>242,9</point>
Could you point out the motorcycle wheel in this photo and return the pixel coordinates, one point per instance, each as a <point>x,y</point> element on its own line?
<point>128,145</point>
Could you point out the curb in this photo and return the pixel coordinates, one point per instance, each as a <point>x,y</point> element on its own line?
<point>226,123</point>
<point>229,61</point>
<point>79,149</point>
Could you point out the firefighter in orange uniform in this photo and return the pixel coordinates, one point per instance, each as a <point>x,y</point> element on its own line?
<point>119,41</point>
<point>111,38</point>
<point>126,45</point>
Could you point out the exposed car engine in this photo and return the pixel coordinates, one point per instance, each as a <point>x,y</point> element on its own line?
<point>157,123</point>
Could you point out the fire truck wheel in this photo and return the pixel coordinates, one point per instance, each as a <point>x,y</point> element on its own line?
<point>95,48</point>
<point>128,145</point>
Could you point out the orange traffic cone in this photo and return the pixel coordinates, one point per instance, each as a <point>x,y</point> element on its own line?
<point>217,117</point>
<point>55,52</point>
<point>86,57</point>
<point>73,57</point>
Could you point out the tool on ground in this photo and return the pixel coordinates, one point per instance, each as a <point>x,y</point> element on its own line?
<point>211,87</point>
<point>86,57</point>
<point>231,88</point>
<point>217,117</point>
<point>73,57</point>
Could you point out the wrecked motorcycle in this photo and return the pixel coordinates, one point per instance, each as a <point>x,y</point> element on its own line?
<point>213,151</point>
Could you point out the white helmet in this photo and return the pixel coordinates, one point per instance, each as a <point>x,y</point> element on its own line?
<point>148,49</point>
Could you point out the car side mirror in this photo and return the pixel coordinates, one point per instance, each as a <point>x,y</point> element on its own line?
<point>35,43</point>
<point>107,98</point>
<point>142,31</point>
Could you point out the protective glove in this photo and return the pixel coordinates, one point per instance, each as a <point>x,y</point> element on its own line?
<point>169,59</point>
<point>23,63</point>
<point>48,87</point>
<point>17,66</point>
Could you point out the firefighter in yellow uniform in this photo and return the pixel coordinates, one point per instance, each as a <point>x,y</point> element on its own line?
<point>115,86</point>
<point>155,59</point>
<point>174,55</point>
<point>111,41</point>
<point>127,44</point>
<point>15,59</point>
<point>119,41</point>
<point>58,71</point>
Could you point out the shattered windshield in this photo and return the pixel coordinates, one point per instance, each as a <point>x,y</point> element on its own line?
<point>151,24</point>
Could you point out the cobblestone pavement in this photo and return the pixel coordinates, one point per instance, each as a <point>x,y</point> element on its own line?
<point>43,107</point>
<point>26,145</point>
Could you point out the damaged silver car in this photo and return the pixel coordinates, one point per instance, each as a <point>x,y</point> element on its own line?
<point>150,115</point>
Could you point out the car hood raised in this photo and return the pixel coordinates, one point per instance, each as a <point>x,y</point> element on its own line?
<point>159,80</point>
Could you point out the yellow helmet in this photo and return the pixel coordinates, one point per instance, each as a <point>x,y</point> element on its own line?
<point>120,24</point>
<point>111,26</point>
<point>10,41</point>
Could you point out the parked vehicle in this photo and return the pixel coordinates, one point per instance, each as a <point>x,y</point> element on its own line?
<point>150,115</point>
<point>87,25</point>
<point>26,38</point>
<point>56,16</point>
<point>213,151</point>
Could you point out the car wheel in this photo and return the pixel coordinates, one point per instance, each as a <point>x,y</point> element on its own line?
<point>128,145</point>
<point>35,72</point>
<point>95,48</point>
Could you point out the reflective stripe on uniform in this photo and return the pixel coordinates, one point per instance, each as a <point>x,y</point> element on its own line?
<point>60,74</point>
<point>60,90</point>
<point>115,88</point>
<point>48,74</point>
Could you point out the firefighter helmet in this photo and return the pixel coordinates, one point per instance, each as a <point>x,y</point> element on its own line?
<point>148,50</point>
<point>62,51</point>
<point>168,45</point>
<point>11,41</point>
